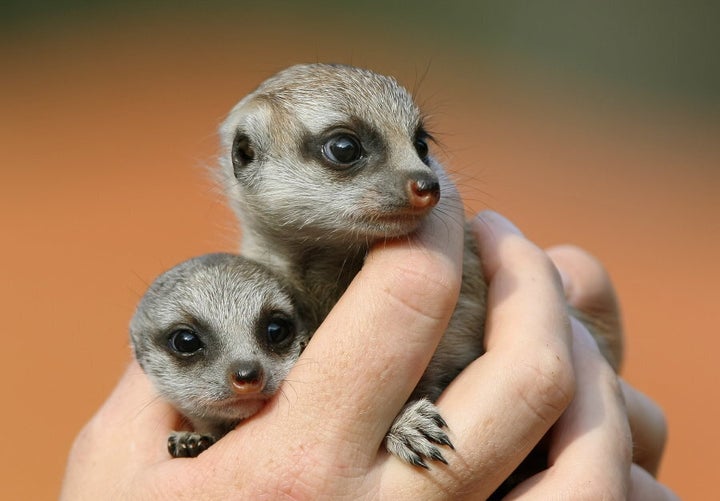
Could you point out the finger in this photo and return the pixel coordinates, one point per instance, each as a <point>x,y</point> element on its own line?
<point>588,285</point>
<point>648,428</point>
<point>126,435</point>
<point>522,278</point>
<point>590,446</point>
<point>132,418</point>
<point>371,350</point>
<point>590,292</point>
<point>501,405</point>
<point>644,487</point>
<point>589,289</point>
<point>134,398</point>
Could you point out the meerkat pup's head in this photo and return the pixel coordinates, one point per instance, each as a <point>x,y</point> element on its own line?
<point>217,335</point>
<point>324,151</point>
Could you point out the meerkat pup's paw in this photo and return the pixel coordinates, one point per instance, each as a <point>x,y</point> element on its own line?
<point>416,434</point>
<point>186,444</point>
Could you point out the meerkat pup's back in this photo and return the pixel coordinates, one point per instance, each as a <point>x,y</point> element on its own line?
<point>217,335</point>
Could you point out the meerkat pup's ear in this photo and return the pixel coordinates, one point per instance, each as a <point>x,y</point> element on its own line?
<point>242,152</point>
<point>244,132</point>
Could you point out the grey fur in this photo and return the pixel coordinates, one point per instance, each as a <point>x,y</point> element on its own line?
<point>228,301</point>
<point>314,223</point>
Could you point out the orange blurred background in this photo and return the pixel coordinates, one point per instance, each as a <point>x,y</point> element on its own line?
<point>605,134</point>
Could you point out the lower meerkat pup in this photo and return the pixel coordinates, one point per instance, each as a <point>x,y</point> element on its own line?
<point>217,335</point>
<point>320,162</point>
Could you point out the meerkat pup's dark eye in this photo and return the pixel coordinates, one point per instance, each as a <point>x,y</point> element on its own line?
<point>421,147</point>
<point>185,342</point>
<point>343,149</point>
<point>279,330</point>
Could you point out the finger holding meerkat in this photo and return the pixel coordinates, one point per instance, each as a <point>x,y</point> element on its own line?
<point>592,298</point>
<point>648,427</point>
<point>589,451</point>
<point>117,438</point>
<point>502,404</point>
<point>589,289</point>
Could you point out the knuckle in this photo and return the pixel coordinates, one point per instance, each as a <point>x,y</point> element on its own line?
<point>424,293</point>
<point>87,438</point>
<point>547,383</point>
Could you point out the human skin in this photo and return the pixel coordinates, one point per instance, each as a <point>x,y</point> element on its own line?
<point>321,436</point>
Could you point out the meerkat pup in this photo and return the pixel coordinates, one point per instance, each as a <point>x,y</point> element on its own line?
<point>217,335</point>
<point>322,161</point>
<point>319,163</point>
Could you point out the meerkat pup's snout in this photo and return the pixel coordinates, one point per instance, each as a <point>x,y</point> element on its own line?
<point>246,377</point>
<point>423,191</point>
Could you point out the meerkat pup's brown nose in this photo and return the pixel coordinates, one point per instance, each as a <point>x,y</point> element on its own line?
<point>423,193</point>
<point>246,378</point>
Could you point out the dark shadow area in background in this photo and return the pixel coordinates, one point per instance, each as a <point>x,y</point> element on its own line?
<point>662,49</point>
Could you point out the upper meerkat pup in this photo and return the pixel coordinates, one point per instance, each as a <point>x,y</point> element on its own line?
<point>217,335</point>
<point>320,162</point>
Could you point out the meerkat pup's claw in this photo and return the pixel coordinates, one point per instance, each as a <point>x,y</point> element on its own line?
<point>416,433</point>
<point>186,444</point>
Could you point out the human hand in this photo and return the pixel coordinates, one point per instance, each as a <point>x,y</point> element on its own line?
<point>321,435</point>
<point>591,453</point>
<point>589,290</point>
<point>591,444</point>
